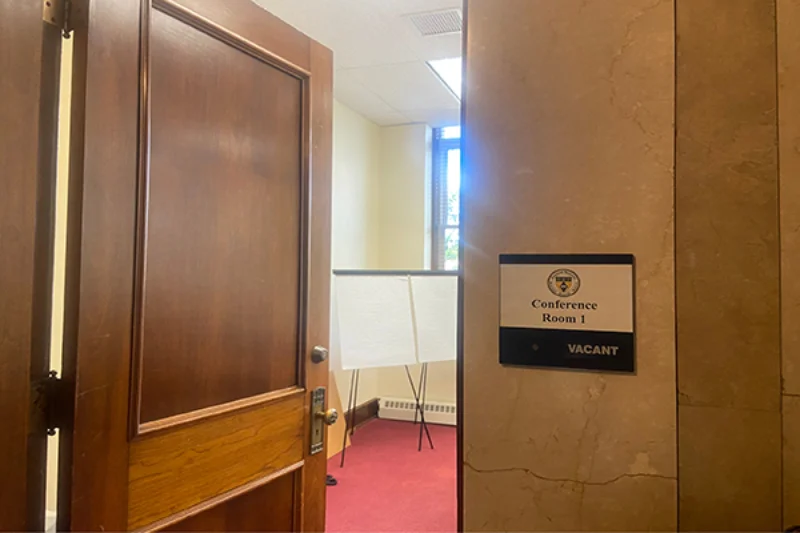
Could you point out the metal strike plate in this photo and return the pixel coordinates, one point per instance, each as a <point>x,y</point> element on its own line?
<point>58,13</point>
<point>53,12</point>
<point>317,422</point>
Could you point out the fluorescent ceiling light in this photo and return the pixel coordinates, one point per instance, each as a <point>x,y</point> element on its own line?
<point>449,71</point>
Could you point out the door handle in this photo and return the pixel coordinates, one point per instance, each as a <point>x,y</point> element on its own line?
<point>319,354</point>
<point>329,417</point>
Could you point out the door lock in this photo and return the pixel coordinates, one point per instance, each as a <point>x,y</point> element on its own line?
<point>319,419</point>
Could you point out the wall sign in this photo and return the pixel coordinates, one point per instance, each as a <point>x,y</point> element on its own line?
<point>567,311</point>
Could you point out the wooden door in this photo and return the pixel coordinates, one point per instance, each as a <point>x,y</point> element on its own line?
<point>198,268</point>
<point>28,96</point>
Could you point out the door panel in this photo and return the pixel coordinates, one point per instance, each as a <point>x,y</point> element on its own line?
<point>248,22</point>
<point>205,326</point>
<point>169,470</point>
<point>222,252</point>
<point>29,54</point>
<point>267,508</point>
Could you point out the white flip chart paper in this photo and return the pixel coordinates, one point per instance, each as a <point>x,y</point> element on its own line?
<point>375,321</point>
<point>435,300</point>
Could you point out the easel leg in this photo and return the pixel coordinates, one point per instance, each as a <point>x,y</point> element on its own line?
<point>423,385</point>
<point>421,370</point>
<point>349,408</point>
<point>423,425</point>
<point>353,408</point>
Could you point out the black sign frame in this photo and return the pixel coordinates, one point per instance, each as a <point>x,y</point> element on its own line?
<point>549,348</point>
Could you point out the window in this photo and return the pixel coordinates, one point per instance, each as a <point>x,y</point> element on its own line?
<point>446,197</point>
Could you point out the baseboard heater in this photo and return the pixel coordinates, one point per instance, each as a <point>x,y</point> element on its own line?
<point>403,409</point>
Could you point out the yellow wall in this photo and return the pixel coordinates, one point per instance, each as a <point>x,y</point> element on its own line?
<point>393,382</point>
<point>356,145</point>
<point>382,220</point>
<point>405,197</point>
<point>57,333</point>
<point>354,233</point>
<point>405,238</point>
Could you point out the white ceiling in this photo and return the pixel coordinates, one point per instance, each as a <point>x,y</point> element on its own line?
<point>380,57</point>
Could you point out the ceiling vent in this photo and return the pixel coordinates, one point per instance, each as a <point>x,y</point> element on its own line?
<point>437,22</point>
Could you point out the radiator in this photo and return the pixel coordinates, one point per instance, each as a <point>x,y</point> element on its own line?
<point>402,409</point>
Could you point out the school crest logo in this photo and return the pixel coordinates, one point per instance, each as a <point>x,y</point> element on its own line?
<point>563,283</point>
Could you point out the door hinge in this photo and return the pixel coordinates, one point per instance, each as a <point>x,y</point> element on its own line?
<point>50,402</point>
<point>58,13</point>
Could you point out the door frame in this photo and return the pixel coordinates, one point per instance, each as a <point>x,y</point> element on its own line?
<point>29,60</point>
<point>461,277</point>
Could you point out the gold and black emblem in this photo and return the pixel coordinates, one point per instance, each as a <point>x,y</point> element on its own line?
<point>564,283</point>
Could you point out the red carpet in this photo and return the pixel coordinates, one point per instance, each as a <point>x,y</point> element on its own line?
<point>387,485</point>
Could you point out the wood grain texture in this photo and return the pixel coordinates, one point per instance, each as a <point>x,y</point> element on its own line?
<point>318,332</point>
<point>222,253</point>
<point>99,264</point>
<point>173,470</point>
<point>365,412</point>
<point>249,21</point>
<point>209,96</point>
<point>267,508</point>
<point>216,410</point>
<point>28,103</point>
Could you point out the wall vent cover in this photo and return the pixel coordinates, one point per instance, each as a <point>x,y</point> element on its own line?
<point>437,22</point>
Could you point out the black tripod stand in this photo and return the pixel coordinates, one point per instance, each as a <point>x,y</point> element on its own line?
<point>420,408</point>
<point>419,392</point>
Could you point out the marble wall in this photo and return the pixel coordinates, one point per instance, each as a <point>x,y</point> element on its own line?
<point>577,113</point>
<point>569,144</point>
<point>789,131</point>
<point>727,266</point>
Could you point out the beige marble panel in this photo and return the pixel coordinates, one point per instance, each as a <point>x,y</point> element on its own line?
<point>727,265</point>
<point>727,250</point>
<point>791,461</point>
<point>532,503</point>
<point>789,120</point>
<point>730,475</point>
<point>569,149</point>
